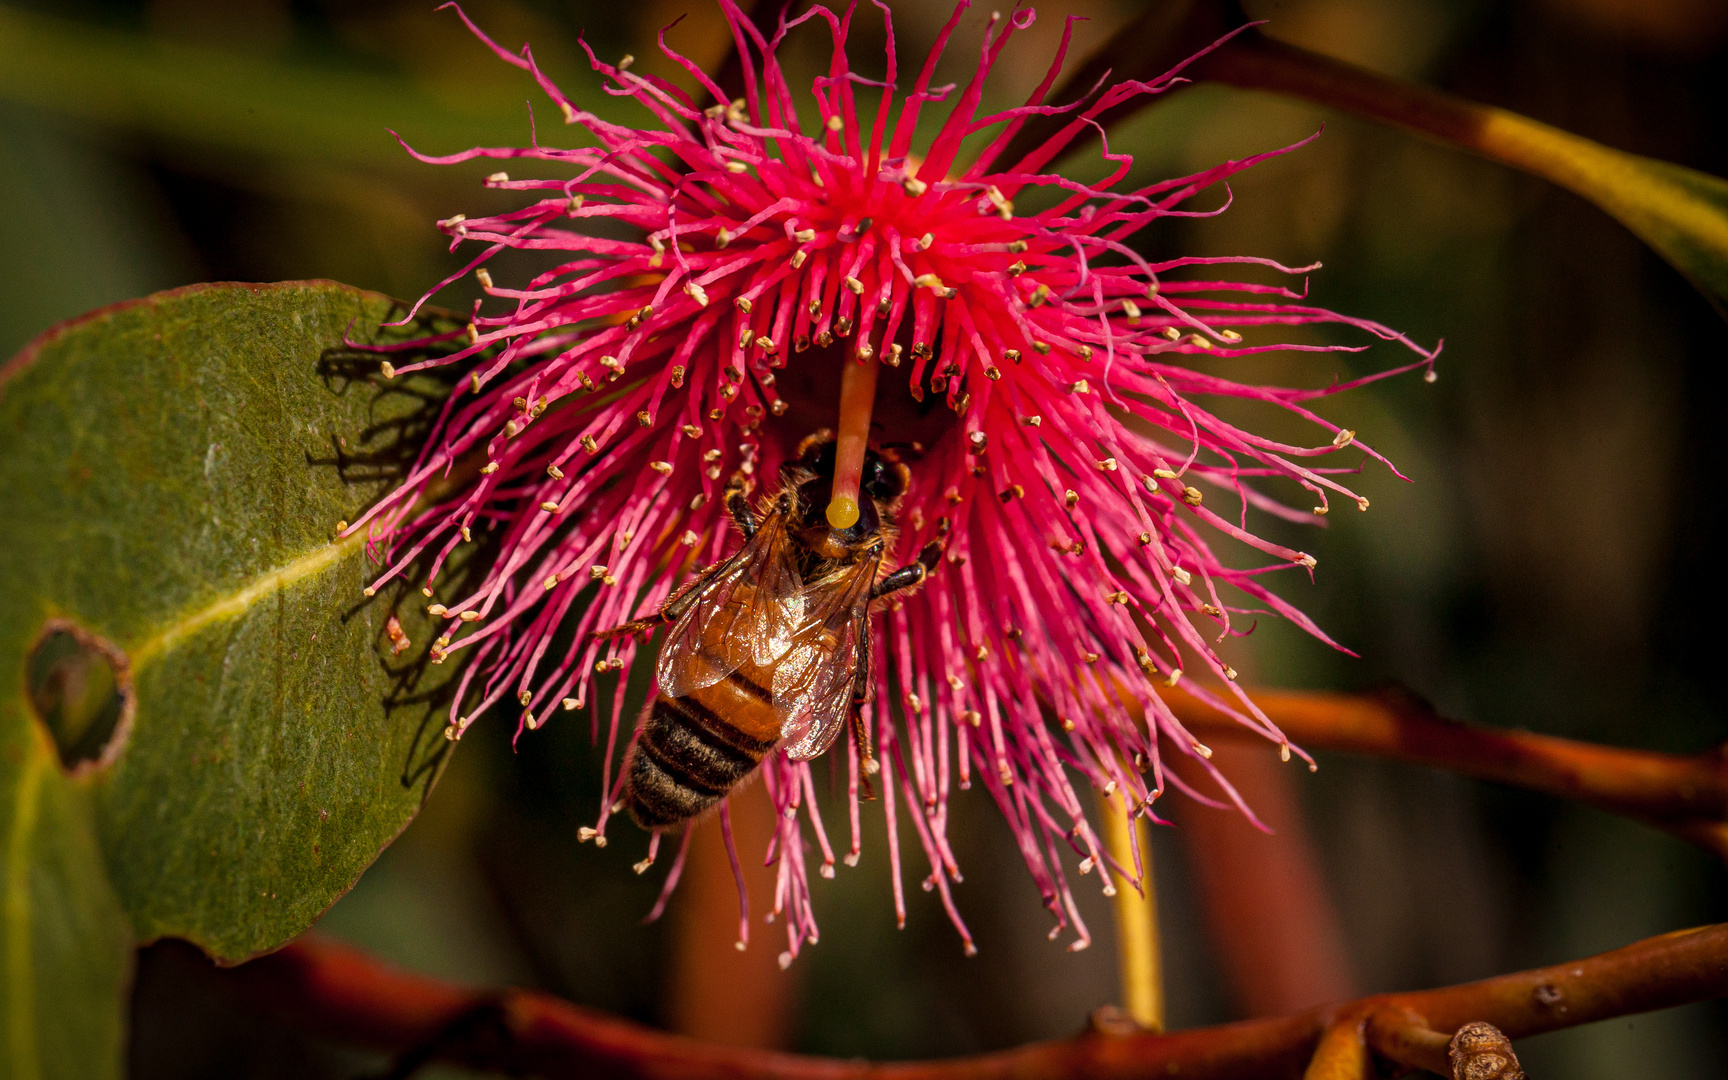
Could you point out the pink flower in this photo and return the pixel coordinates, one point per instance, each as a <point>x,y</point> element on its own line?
<point>1064,433</point>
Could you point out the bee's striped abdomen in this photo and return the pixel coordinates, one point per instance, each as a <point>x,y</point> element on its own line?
<point>686,759</point>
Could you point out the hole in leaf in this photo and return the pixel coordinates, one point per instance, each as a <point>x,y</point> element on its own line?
<point>81,689</point>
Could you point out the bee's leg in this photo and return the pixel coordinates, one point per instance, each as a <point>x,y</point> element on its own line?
<point>671,611</point>
<point>640,626</point>
<point>913,574</point>
<point>867,766</point>
<point>738,505</point>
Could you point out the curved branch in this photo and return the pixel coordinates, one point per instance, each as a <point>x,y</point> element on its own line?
<point>1686,795</point>
<point>338,992</point>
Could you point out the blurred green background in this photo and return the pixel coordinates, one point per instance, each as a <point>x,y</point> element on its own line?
<point>1553,566</point>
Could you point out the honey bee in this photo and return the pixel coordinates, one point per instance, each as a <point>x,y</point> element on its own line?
<point>770,647</point>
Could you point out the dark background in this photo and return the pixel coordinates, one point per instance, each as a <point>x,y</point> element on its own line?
<point>1554,565</point>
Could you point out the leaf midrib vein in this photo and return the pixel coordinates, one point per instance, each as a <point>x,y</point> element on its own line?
<point>236,603</point>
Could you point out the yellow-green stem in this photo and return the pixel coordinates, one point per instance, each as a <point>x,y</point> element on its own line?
<point>1136,909</point>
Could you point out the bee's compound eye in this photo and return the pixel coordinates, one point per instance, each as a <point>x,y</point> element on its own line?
<point>813,448</point>
<point>888,480</point>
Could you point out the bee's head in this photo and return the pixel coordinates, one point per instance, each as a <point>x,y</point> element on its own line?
<point>882,484</point>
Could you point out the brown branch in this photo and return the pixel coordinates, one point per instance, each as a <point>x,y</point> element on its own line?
<point>1253,61</point>
<point>1675,210</point>
<point>1173,31</point>
<point>1686,795</point>
<point>340,993</point>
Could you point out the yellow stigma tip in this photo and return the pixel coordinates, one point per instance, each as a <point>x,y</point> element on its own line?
<point>843,512</point>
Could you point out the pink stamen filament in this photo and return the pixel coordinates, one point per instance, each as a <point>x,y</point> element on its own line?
<point>857,399</point>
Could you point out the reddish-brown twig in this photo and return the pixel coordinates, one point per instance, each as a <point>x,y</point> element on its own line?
<point>339,992</point>
<point>1686,795</point>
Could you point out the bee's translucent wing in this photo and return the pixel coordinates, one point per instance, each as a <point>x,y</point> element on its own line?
<point>730,605</point>
<point>770,614</point>
<point>813,684</point>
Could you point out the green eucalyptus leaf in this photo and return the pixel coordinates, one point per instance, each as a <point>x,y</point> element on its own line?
<point>65,943</point>
<point>1680,212</point>
<point>1683,214</point>
<point>207,731</point>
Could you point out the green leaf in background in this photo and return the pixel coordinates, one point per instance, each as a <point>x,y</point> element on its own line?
<point>255,105</point>
<point>173,469</point>
<point>1680,212</point>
